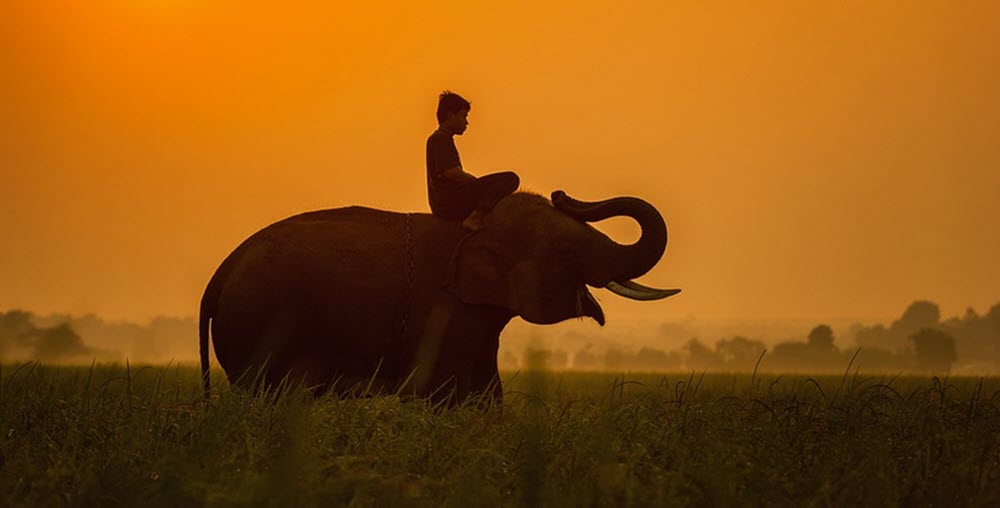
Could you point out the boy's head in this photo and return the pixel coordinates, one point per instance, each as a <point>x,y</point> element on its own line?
<point>452,112</point>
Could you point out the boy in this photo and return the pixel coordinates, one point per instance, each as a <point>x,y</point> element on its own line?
<point>453,193</point>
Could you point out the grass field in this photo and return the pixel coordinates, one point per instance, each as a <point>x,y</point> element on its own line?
<point>114,435</point>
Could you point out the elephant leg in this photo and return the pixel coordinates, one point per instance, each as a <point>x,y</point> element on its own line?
<point>285,370</point>
<point>486,384</point>
<point>363,386</point>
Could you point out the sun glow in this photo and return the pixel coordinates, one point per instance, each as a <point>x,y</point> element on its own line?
<point>785,151</point>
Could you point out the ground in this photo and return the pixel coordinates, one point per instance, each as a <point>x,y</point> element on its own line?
<point>125,436</point>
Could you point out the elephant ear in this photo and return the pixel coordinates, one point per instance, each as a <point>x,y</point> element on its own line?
<point>480,273</point>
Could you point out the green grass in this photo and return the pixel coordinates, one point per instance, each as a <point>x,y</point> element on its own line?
<point>120,436</point>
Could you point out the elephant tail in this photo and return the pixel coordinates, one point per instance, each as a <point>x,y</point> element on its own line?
<point>208,305</point>
<point>203,320</point>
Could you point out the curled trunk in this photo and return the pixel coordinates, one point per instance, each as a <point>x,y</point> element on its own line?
<point>606,260</point>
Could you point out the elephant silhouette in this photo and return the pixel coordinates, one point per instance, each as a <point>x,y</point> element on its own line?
<point>356,296</point>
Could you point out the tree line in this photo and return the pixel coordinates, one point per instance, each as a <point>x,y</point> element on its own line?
<point>62,338</point>
<point>919,341</point>
<point>46,343</point>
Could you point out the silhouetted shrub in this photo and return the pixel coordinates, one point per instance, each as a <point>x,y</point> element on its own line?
<point>616,359</point>
<point>821,338</point>
<point>16,329</point>
<point>873,337</point>
<point>739,353</point>
<point>59,342</point>
<point>701,357</point>
<point>934,349</point>
<point>650,359</point>
<point>788,356</point>
<point>919,315</point>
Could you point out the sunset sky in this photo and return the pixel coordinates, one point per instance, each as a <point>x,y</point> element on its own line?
<point>811,160</point>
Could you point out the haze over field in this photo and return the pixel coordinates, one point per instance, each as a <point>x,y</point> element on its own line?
<point>814,163</point>
<point>920,340</point>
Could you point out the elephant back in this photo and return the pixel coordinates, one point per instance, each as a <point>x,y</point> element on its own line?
<point>327,285</point>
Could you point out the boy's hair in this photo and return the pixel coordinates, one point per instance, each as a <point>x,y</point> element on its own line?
<point>450,102</point>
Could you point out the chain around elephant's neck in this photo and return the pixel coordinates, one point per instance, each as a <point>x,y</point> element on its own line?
<point>410,266</point>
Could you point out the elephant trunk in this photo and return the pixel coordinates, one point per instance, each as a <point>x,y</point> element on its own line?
<point>608,260</point>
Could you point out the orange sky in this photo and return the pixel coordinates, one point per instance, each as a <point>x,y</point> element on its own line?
<point>811,161</point>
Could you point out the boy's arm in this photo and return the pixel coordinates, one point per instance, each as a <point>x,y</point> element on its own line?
<point>457,174</point>
<point>443,159</point>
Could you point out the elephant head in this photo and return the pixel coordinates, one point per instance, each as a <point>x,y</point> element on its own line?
<point>536,257</point>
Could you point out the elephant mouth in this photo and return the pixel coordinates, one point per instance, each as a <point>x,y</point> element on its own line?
<point>587,305</point>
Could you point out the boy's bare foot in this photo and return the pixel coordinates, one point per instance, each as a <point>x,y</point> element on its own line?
<point>474,221</point>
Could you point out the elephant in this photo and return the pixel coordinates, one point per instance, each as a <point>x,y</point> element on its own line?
<point>348,297</point>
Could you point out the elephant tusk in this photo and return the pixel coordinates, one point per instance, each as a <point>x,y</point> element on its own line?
<point>635,291</point>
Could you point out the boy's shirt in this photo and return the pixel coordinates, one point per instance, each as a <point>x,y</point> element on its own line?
<point>442,155</point>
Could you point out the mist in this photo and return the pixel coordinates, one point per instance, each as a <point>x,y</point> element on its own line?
<point>919,340</point>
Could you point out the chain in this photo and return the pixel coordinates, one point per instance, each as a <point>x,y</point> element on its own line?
<point>410,266</point>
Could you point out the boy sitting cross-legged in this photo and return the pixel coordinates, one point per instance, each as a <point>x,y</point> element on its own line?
<point>453,193</point>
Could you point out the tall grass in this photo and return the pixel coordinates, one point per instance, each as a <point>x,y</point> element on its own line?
<point>124,436</point>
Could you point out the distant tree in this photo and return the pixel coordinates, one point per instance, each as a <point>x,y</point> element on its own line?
<point>16,328</point>
<point>700,356</point>
<point>919,315</point>
<point>740,353</point>
<point>58,343</point>
<point>876,336</point>
<point>649,359</point>
<point>934,349</point>
<point>818,354</point>
<point>789,356</point>
<point>992,332</point>
<point>821,338</point>
<point>993,320</point>
<point>975,340</point>
<point>970,315</point>
<point>994,314</point>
